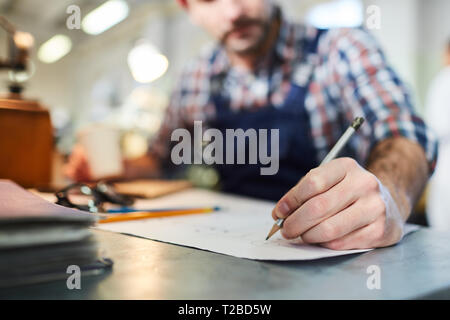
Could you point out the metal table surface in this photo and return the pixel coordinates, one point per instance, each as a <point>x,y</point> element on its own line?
<point>418,267</point>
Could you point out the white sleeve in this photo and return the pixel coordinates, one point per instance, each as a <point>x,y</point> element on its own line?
<point>438,105</point>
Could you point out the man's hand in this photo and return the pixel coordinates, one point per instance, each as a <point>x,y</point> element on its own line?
<point>77,168</point>
<point>341,205</point>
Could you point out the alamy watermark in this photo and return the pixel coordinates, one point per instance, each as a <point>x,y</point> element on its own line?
<point>208,147</point>
<point>74,280</point>
<point>374,280</point>
<point>373,17</point>
<point>74,19</point>
<point>373,21</point>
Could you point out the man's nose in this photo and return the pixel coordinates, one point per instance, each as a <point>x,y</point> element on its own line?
<point>233,10</point>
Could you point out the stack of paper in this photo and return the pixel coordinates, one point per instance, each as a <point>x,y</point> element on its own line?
<point>40,240</point>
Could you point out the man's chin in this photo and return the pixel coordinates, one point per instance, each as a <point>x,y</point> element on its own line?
<point>245,42</point>
<point>242,47</point>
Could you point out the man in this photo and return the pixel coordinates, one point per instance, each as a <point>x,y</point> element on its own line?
<point>438,116</point>
<point>267,73</point>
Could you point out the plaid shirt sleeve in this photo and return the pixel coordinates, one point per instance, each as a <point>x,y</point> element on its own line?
<point>369,87</point>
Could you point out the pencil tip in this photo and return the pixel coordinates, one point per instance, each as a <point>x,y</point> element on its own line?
<point>274,229</point>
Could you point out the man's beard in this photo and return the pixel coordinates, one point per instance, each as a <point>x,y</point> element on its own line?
<point>242,23</point>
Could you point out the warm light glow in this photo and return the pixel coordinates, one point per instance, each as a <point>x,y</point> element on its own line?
<point>23,40</point>
<point>146,63</point>
<point>104,17</point>
<point>55,48</point>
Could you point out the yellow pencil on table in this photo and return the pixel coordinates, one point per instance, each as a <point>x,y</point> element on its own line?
<point>155,214</point>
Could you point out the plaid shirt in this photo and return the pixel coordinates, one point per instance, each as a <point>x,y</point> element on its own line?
<point>348,76</point>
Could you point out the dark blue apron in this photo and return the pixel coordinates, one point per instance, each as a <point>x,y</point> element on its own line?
<point>296,151</point>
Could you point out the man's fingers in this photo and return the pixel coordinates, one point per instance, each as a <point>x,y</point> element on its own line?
<point>371,236</point>
<point>83,172</point>
<point>77,167</point>
<point>317,181</point>
<point>362,238</point>
<point>354,217</point>
<point>78,153</point>
<point>318,209</point>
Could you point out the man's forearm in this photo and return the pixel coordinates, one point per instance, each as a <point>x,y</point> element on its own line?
<point>401,166</point>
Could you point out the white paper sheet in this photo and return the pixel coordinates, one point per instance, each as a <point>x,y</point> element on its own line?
<point>239,229</point>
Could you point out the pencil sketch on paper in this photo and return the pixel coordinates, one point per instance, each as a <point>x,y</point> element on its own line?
<point>239,230</point>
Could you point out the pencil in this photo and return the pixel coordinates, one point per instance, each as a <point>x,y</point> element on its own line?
<point>340,144</point>
<point>155,214</point>
<point>132,210</point>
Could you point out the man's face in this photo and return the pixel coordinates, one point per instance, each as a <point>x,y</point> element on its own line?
<point>240,25</point>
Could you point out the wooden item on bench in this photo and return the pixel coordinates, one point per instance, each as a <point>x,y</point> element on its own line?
<point>26,142</point>
<point>151,188</point>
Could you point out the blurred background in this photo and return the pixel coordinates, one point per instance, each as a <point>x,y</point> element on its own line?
<point>121,69</point>
<point>87,75</point>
